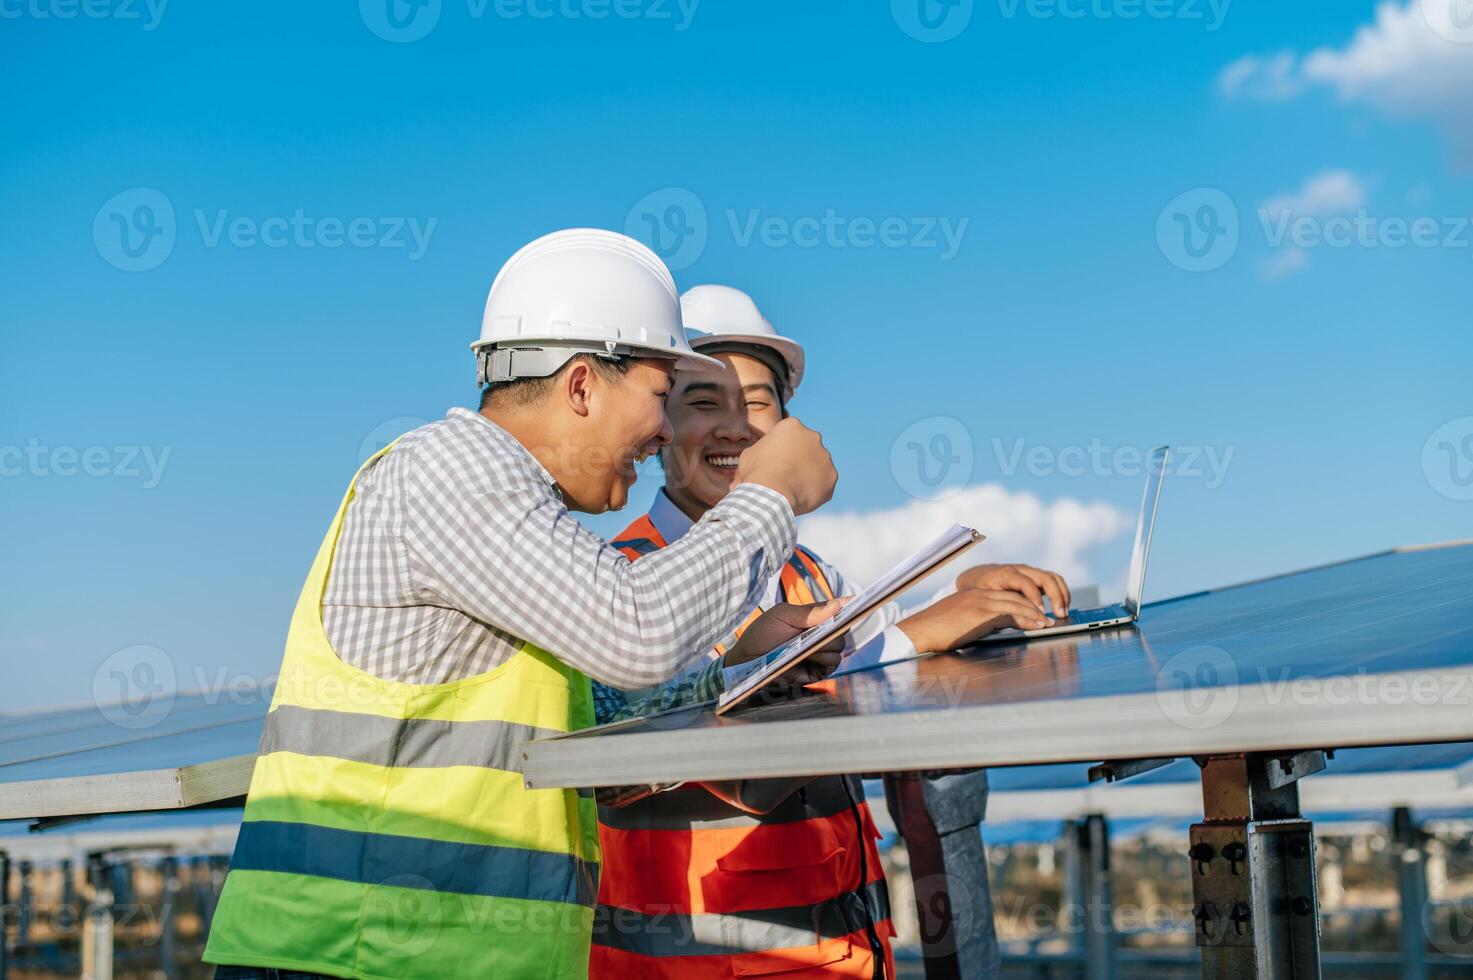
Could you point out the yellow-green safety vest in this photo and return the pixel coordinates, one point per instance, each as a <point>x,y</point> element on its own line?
<point>388,832</point>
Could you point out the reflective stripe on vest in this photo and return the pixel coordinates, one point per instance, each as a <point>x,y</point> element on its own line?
<point>388,832</point>
<point>694,887</point>
<point>713,934</point>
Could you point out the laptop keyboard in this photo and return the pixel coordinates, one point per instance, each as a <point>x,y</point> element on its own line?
<point>1097,614</point>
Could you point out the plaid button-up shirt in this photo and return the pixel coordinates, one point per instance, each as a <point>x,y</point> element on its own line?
<point>457,548</point>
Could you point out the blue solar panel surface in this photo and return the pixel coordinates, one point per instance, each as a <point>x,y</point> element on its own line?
<point>1394,612</point>
<point>93,741</point>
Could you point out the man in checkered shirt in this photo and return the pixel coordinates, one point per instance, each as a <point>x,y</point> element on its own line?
<point>459,545</point>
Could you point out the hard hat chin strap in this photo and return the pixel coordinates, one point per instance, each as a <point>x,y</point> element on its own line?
<point>495,365</point>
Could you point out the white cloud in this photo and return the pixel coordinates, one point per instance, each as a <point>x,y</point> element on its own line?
<point>1283,263</point>
<point>1412,59</point>
<point>1401,60</point>
<point>1019,528</point>
<point>1326,193</point>
<point>1270,78</point>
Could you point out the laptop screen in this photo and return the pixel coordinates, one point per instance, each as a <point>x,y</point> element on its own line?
<point>1155,475</point>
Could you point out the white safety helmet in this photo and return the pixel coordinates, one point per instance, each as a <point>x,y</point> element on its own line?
<point>579,291</point>
<point>720,318</point>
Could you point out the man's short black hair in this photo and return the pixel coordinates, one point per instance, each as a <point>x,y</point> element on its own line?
<point>521,392</point>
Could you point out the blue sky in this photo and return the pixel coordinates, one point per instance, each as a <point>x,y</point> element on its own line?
<point>226,386</point>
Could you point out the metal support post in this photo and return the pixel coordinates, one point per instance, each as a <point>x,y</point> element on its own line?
<point>67,919</point>
<point>97,938</point>
<point>1253,871</point>
<point>4,914</point>
<point>23,907</point>
<point>940,817</point>
<point>1411,874</point>
<point>1095,895</point>
<point>169,888</point>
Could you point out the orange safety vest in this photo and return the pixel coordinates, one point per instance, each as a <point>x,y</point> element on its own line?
<point>695,888</point>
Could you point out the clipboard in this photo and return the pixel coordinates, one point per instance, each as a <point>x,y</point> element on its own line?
<point>888,586</point>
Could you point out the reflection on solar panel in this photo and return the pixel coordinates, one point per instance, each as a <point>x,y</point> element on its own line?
<point>1377,651</point>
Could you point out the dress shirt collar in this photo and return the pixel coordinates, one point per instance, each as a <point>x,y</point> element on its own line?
<point>466,414</point>
<point>669,520</point>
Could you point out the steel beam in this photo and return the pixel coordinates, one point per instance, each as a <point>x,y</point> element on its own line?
<point>939,815</point>
<point>1411,874</point>
<point>1253,872</point>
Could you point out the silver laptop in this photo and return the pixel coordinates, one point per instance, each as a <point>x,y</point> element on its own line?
<point>1080,620</point>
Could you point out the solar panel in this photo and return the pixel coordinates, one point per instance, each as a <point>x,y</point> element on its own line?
<point>1376,651</point>
<point>92,760</point>
<point>1081,699</point>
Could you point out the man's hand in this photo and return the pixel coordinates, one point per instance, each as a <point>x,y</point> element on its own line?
<point>969,615</point>
<point>780,624</point>
<point>792,460</point>
<point>1032,582</point>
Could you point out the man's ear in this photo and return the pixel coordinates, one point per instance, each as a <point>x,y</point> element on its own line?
<point>577,387</point>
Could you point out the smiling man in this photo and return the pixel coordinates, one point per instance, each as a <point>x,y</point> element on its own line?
<point>456,610</point>
<point>763,876</point>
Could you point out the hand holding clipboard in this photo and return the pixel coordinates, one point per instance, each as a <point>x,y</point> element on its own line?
<point>889,585</point>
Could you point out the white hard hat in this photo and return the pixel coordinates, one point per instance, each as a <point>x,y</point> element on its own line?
<point>723,318</point>
<point>579,291</point>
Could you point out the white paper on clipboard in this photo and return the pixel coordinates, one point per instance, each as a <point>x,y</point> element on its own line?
<point>889,585</point>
